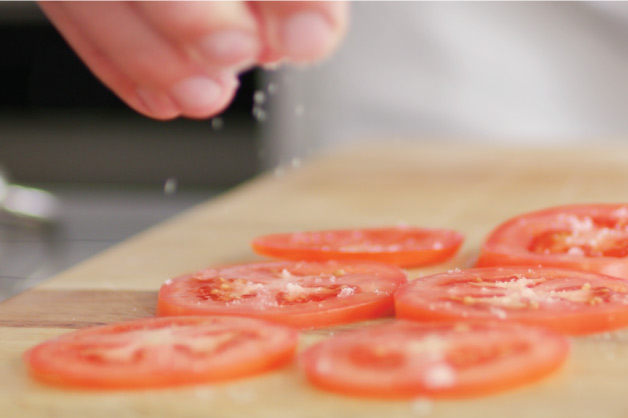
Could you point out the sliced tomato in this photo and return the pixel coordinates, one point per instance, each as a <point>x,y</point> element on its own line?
<point>569,301</point>
<point>301,294</point>
<point>406,359</point>
<point>402,246</point>
<point>591,237</point>
<point>160,352</point>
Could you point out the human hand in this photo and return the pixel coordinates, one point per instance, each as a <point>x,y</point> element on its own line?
<point>180,58</point>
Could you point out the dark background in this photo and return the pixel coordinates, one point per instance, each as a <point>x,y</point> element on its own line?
<point>59,124</point>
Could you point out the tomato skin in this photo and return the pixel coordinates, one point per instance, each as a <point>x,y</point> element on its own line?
<point>405,359</point>
<point>116,357</point>
<point>260,291</point>
<point>568,301</point>
<point>510,243</point>
<point>401,246</point>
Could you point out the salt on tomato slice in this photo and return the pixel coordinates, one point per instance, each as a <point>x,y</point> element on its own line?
<point>162,352</point>
<point>406,359</point>
<point>402,246</point>
<point>589,237</point>
<point>300,294</point>
<point>568,301</point>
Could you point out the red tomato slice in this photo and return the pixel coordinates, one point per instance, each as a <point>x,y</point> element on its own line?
<point>160,352</point>
<point>583,237</point>
<point>406,359</point>
<point>568,301</point>
<point>402,246</point>
<point>301,294</point>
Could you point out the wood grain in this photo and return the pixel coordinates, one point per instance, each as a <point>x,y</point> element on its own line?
<point>74,309</point>
<point>467,188</point>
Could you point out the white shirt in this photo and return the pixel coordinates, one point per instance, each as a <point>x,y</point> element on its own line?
<point>527,72</point>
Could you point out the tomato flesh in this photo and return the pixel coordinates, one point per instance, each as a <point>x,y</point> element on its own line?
<point>404,359</point>
<point>301,294</point>
<point>567,301</point>
<point>582,237</point>
<point>596,242</point>
<point>402,246</point>
<point>162,352</point>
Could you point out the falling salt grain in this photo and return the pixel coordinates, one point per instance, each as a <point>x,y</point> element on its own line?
<point>170,186</point>
<point>295,163</point>
<point>259,114</point>
<point>421,406</point>
<point>259,97</point>
<point>272,88</point>
<point>217,123</point>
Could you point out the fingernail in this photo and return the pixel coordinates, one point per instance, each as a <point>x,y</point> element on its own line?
<point>158,105</point>
<point>306,36</point>
<point>230,47</point>
<point>197,93</point>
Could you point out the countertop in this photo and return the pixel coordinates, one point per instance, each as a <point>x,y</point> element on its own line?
<point>467,188</point>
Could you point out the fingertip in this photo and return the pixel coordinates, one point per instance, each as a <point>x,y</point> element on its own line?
<point>230,48</point>
<point>202,96</point>
<point>306,36</point>
<point>302,32</point>
<point>156,105</point>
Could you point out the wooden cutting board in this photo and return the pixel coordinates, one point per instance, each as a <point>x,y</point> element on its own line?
<point>465,188</point>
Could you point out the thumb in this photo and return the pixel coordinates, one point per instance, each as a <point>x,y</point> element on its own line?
<point>301,31</point>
